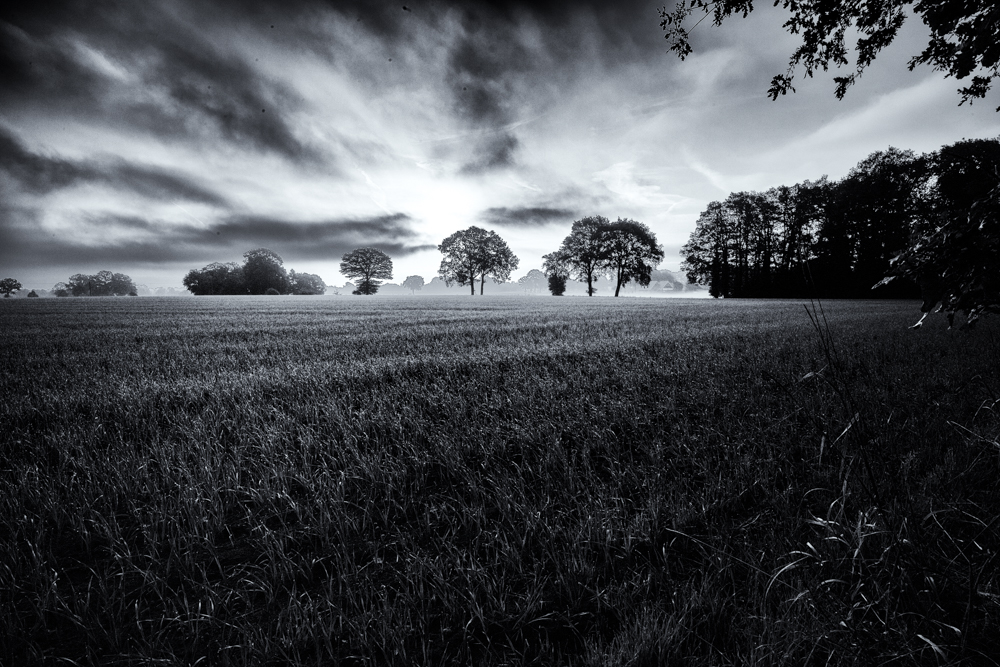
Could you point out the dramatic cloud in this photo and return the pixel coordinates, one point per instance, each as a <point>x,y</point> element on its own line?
<point>325,239</point>
<point>98,240</point>
<point>527,216</point>
<point>151,138</point>
<point>40,174</point>
<point>152,71</point>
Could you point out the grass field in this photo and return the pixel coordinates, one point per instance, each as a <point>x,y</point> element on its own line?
<point>496,481</point>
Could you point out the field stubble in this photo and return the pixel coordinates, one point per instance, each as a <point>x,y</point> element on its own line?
<point>495,481</point>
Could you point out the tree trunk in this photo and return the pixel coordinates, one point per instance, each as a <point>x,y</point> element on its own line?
<point>482,282</point>
<point>618,281</point>
<point>590,283</point>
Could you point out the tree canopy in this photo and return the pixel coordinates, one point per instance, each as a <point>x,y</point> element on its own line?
<point>964,36</point>
<point>907,224</point>
<point>473,254</point>
<point>102,283</point>
<point>9,286</point>
<point>216,279</point>
<point>370,266</point>
<point>263,270</point>
<point>630,251</point>
<point>625,248</point>
<point>955,248</point>
<point>581,255</point>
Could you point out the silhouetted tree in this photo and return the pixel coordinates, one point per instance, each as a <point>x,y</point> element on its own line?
<point>216,279</point>
<point>630,250</point>
<point>817,238</point>
<point>9,286</point>
<point>370,266</point>
<point>473,254</point>
<point>706,254</point>
<point>963,36</point>
<point>33,294</point>
<point>102,283</point>
<point>413,283</point>
<point>263,269</point>
<point>581,254</point>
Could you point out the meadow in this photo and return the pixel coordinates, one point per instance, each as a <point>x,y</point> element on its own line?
<point>496,481</point>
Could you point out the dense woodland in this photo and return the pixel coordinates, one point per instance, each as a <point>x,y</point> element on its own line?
<point>838,239</point>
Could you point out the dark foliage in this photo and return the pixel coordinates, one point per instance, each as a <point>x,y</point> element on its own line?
<point>102,283</point>
<point>955,251</point>
<point>9,286</point>
<point>262,270</point>
<point>370,265</point>
<point>963,41</point>
<point>904,224</point>
<point>473,254</point>
<point>625,249</point>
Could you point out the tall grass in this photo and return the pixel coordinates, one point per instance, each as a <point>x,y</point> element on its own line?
<point>498,481</point>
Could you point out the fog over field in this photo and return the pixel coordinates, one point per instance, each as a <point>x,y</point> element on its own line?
<point>153,138</point>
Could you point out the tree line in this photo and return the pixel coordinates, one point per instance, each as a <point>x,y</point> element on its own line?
<point>625,249</point>
<point>102,283</point>
<point>262,272</point>
<point>841,239</point>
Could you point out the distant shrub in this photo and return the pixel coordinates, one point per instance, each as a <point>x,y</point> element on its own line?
<point>33,294</point>
<point>557,285</point>
<point>272,292</point>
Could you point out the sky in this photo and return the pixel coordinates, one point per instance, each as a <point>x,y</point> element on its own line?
<point>157,137</point>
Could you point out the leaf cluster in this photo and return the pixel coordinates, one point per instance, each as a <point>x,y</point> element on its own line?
<point>964,36</point>
<point>955,249</point>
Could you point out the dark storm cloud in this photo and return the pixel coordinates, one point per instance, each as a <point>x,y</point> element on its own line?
<point>492,153</point>
<point>190,87</point>
<point>393,233</point>
<point>526,216</point>
<point>188,84</point>
<point>480,70</point>
<point>37,173</point>
<point>123,240</point>
<point>487,63</point>
<point>41,174</point>
<point>227,92</point>
<point>33,68</point>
